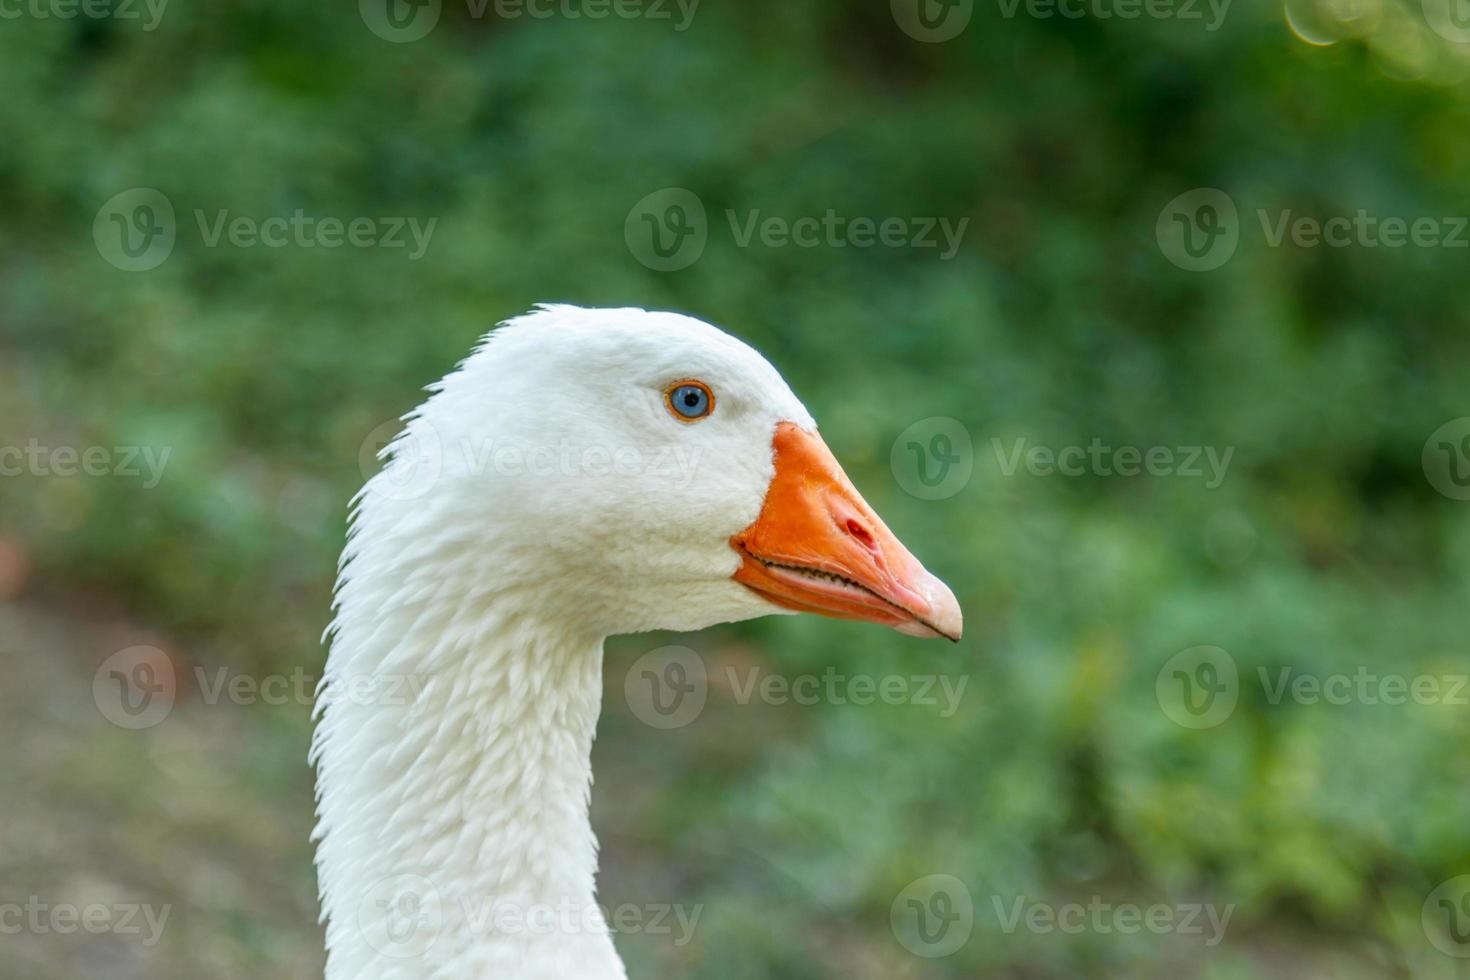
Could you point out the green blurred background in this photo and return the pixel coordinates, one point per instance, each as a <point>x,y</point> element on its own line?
<point>1063,777</point>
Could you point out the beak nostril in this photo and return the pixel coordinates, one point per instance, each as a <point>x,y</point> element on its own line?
<point>862,534</point>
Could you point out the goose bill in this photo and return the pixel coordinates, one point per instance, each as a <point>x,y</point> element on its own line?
<point>818,547</point>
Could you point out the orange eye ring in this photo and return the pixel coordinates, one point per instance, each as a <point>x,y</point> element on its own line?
<point>689,401</point>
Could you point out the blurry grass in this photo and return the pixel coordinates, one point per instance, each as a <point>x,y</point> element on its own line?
<point>263,371</point>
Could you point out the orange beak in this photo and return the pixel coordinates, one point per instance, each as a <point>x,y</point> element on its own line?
<point>818,547</point>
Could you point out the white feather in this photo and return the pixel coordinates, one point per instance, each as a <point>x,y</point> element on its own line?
<point>481,574</point>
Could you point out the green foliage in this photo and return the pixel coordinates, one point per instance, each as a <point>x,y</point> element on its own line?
<point>1058,321</point>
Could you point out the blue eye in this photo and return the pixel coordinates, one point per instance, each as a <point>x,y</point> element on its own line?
<point>689,401</point>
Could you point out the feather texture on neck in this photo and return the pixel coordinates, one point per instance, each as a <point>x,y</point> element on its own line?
<point>454,776</point>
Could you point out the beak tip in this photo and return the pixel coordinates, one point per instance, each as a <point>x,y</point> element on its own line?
<point>945,617</point>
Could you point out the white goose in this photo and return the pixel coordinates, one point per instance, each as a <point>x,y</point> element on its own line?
<point>583,473</point>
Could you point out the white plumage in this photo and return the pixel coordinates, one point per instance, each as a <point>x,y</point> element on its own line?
<point>542,499</point>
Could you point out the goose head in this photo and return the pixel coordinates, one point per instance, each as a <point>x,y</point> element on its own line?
<point>640,470</point>
<point>583,473</point>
